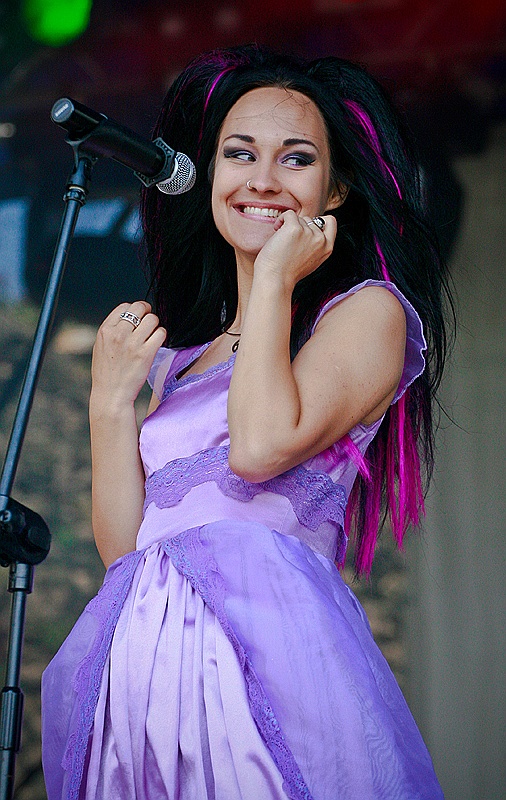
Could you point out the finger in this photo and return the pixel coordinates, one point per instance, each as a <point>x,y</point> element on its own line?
<point>329,219</point>
<point>289,217</point>
<point>317,224</point>
<point>139,308</point>
<point>148,324</point>
<point>114,315</point>
<point>330,229</point>
<point>135,312</point>
<point>157,338</point>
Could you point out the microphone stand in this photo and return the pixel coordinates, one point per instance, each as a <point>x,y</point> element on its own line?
<point>24,536</point>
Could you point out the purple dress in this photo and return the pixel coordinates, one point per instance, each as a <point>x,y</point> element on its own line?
<point>225,658</point>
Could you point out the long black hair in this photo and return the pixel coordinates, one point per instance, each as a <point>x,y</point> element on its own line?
<point>382,233</point>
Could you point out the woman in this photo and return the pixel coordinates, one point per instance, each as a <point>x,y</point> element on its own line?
<point>224,657</point>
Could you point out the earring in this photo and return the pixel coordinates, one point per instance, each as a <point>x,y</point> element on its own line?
<point>248,184</point>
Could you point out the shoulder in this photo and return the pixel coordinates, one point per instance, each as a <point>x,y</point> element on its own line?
<point>358,350</point>
<point>362,331</point>
<point>370,308</point>
<point>369,295</point>
<point>376,316</point>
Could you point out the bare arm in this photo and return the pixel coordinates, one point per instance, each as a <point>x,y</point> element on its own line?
<point>122,357</point>
<point>279,413</point>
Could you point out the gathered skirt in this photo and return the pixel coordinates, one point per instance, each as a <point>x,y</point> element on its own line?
<point>173,719</point>
<point>227,662</point>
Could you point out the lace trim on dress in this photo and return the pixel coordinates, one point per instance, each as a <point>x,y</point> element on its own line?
<point>106,607</point>
<point>314,496</point>
<point>193,560</point>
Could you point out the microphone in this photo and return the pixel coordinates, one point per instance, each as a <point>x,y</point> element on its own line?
<point>152,162</point>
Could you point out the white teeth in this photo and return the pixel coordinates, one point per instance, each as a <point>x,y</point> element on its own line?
<point>261,212</point>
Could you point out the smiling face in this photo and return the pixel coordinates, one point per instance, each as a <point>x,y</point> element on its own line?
<point>274,140</point>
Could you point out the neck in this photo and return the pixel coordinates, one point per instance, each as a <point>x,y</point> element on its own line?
<point>245,267</point>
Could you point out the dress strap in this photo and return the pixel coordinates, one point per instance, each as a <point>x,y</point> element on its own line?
<point>161,365</point>
<point>167,363</point>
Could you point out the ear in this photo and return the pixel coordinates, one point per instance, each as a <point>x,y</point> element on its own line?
<point>337,196</point>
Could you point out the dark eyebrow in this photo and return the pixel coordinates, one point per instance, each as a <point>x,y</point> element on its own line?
<point>287,142</point>
<point>240,136</point>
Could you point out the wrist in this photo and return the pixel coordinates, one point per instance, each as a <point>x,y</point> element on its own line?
<point>109,407</point>
<point>274,279</point>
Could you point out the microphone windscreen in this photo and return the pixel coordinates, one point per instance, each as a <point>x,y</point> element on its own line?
<point>182,178</point>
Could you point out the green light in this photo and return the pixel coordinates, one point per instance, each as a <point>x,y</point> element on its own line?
<point>56,22</point>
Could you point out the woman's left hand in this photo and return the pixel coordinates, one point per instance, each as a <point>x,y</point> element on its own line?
<point>296,248</point>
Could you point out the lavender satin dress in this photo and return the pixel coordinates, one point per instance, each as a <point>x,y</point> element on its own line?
<point>225,658</point>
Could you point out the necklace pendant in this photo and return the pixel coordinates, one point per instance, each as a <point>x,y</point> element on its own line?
<point>235,346</point>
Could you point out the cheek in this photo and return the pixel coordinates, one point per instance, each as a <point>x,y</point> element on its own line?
<point>213,204</point>
<point>220,189</point>
<point>219,213</point>
<point>316,202</point>
<point>314,194</point>
<point>216,207</point>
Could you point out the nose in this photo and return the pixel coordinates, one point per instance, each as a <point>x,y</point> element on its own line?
<point>264,178</point>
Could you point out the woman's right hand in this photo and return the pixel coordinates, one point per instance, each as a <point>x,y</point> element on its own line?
<point>123,354</point>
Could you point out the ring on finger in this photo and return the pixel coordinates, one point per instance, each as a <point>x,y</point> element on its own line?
<point>132,318</point>
<point>318,221</point>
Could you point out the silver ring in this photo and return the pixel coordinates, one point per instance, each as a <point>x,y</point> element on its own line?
<point>318,221</point>
<point>132,318</point>
<point>248,184</point>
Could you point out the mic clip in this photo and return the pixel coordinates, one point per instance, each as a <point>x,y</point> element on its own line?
<point>168,168</point>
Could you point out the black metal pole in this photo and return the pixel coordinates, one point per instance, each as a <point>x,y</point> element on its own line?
<point>20,584</point>
<point>24,537</point>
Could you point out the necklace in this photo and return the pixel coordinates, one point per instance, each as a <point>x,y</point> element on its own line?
<point>235,345</point>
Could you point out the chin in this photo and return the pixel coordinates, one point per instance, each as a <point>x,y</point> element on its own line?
<point>251,246</point>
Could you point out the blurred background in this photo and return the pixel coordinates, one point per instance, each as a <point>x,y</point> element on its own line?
<point>440,613</point>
